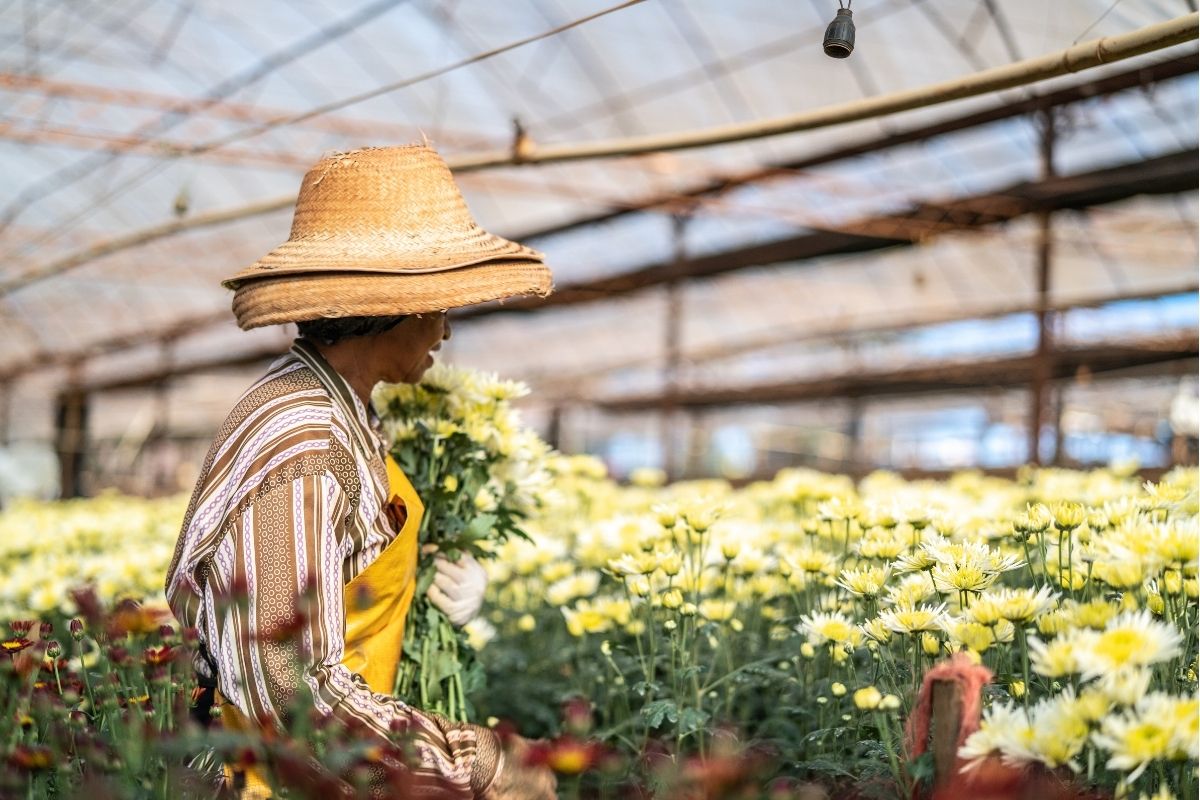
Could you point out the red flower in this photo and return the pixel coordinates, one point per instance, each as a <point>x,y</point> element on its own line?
<point>32,758</point>
<point>157,656</point>
<point>21,626</point>
<point>130,617</point>
<point>577,716</point>
<point>566,755</point>
<point>15,645</point>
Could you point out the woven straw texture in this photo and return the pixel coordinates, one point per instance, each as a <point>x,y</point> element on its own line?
<point>385,209</point>
<point>378,232</point>
<point>270,301</point>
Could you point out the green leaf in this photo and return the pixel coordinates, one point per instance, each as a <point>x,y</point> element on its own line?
<point>922,768</point>
<point>480,527</point>
<point>654,713</point>
<point>643,688</point>
<point>442,665</point>
<point>425,579</point>
<point>692,719</point>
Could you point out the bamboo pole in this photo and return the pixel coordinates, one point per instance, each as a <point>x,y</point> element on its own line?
<point>1073,59</point>
<point>1021,73</point>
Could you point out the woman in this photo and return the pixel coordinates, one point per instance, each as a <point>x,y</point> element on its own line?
<point>297,558</point>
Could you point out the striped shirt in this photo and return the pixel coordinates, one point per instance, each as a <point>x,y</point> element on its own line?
<point>288,508</point>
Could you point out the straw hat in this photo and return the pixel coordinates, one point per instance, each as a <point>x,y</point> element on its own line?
<point>377,232</point>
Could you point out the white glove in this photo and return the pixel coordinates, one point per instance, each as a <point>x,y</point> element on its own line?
<point>458,589</point>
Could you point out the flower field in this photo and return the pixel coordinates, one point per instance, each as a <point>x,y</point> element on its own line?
<point>712,641</point>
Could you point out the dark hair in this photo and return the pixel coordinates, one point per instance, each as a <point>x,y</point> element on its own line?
<point>330,331</point>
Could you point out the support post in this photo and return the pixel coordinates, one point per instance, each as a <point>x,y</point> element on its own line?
<point>6,396</point>
<point>1043,363</point>
<point>853,433</point>
<point>945,721</point>
<point>71,439</point>
<point>554,427</point>
<point>671,351</point>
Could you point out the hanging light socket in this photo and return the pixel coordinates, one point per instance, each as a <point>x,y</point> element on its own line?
<point>839,36</point>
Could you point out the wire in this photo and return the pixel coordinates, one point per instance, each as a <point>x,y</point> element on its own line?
<point>80,169</point>
<point>1097,22</point>
<point>246,133</point>
<point>336,105</point>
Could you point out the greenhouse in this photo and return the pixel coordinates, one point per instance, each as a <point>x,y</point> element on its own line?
<point>584,399</point>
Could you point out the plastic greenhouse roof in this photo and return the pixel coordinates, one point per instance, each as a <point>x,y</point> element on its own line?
<point>82,85</point>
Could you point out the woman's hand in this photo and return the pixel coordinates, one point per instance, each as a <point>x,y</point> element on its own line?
<point>518,781</point>
<point>458,589</point>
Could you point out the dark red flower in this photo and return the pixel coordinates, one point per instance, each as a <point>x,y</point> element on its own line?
<point>21,626</point>
<point>130,617</point>
<point>15,645</point>
<point>157,656</point>
<point>566,755</point>
<point>89,605</point>
<point>577,716</point>
<point>76,629</point>
<point>32,758</point>
<point>46,629</point>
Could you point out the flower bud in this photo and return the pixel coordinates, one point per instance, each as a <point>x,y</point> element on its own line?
<point>672,599</point>
<point>1068,516</point>
<point>868,698</point>
<point>837,689</point>
<point>1039,518</point>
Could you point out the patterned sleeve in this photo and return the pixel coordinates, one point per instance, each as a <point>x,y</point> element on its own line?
<point>280,621</point>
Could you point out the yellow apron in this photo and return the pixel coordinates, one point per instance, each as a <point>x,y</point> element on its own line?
<point>376,605</point>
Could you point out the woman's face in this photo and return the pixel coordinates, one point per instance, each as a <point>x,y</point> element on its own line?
<point>406,351</point>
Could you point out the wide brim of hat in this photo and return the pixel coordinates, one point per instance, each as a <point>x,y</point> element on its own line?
<point>313,295</point>
<point>381,252</point>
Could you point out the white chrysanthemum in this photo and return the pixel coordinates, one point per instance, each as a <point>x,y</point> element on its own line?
<point>1004,729</point>
<point>567,589</point>
<point>1158,728</point>
<point>911,590</point>
<point>1019,605</point>
<point>1059,656</point>
<point>829,627</point>
<point>914,619</point>
<point>1133,639</point>
<point>865,581</point>
<point>1060,731</point>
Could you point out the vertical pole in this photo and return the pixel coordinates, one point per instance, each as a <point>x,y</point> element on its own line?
<point>554,427</point>
<point>1044,357</point>
<point>946,719</point>
<point>853,434</point>
<point>671,351</point>
<point>71,436</point>
<point>6,397</point>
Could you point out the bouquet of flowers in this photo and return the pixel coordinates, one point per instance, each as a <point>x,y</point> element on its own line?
<point>479,473</point>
